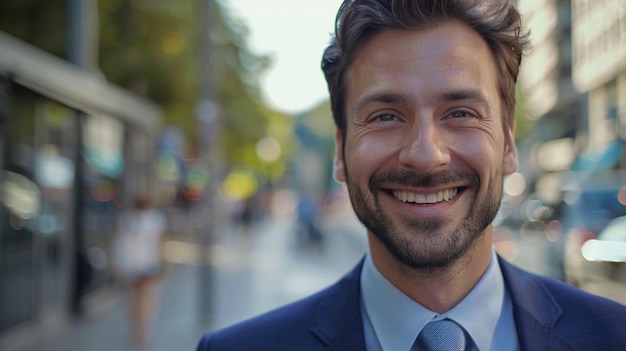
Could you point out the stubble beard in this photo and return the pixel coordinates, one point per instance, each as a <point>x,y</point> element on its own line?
<point>426,247</point>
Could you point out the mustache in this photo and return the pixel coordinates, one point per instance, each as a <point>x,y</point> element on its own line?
<point>411,178</point>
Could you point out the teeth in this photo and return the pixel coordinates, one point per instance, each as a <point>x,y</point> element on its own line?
<point>440,196</point>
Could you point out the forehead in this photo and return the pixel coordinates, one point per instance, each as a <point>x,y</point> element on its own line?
<point>434,60</point>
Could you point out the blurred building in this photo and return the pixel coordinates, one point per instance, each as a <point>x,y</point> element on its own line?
<point>573,85</point>
<point>599,71</point>
<point>73,149</point>
<point>551,101</point>
<point>312,167</point>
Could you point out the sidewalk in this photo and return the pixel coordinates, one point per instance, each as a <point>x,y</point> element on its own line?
<point>252,274</point>
<point>176,326</point>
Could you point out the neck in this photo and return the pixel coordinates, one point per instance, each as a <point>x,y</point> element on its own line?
<point>438,289</point>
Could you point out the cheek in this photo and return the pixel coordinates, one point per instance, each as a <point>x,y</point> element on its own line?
<point>363,157</point>
<point>483,158</point>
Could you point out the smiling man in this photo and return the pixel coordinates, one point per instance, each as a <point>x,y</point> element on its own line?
<point>423,97</point>
<point>423,153</point>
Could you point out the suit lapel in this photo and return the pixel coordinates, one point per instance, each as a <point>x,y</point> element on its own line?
<point>337,321</point>
<point>535,310</point>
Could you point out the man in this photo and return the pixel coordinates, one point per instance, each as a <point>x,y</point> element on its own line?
<point>423,96</point>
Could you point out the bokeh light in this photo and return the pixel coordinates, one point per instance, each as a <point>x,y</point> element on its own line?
<point>268,149</point>
<point>515,184</point>
<point>240,185</point>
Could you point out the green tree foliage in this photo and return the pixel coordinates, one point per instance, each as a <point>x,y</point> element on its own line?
<point>523,125</point>
<point>152,48</point>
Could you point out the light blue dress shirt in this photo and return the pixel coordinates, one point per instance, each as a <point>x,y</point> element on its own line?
<point>392,320</point>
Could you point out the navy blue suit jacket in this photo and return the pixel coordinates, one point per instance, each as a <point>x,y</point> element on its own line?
<point>549,315</point>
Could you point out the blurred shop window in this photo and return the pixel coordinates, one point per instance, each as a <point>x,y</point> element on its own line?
<point>18,214</point>
<point>103,147</point>
<point>20,204</point>
<point>53,170</point>
<point>103,142</point>
<point>103,167</point>
<point>20,197</point>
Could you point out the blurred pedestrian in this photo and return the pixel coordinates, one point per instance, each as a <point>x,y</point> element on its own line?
<point>139,262</point>
<point>247,215</point>
<point>308,217</point>
<point>423,97</point>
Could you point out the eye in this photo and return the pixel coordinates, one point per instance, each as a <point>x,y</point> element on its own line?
<point>460,114</point>
<point>385,117</point>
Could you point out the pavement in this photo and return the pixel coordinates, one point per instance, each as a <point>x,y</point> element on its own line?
<point>250,272</point>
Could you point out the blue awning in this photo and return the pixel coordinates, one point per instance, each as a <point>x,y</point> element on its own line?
<point>599,161</point>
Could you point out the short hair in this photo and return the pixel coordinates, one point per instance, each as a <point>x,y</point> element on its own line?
<point>497,21</point>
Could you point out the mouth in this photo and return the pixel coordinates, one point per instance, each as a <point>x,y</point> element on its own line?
<point>431,198</point>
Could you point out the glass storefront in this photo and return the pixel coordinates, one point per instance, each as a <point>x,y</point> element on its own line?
<point>102,188</point>
<point>70,157</point>
<point>37,187</point>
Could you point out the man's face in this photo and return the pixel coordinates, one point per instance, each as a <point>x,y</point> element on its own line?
<point>425,148</point>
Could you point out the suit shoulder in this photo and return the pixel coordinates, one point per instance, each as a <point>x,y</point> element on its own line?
<point>571,297</point>
<point>589,321</point>
<point>562,316</point>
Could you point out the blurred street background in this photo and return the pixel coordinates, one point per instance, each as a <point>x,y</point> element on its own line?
<point>253,271</point>
<point>219,110</point>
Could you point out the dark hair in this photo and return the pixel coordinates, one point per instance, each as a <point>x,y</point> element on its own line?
<point>497,22</point>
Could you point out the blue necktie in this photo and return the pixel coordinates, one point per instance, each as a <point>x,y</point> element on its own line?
<point>442,335</point>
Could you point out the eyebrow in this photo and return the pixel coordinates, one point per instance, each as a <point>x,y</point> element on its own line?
<point>464,94</point>
<point>448,96</point>
<point>388,98</point>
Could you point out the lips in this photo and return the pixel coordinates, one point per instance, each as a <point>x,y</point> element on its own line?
<point>432,198</point>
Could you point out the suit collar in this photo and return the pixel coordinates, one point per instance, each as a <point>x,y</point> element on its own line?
<point>337,321</point>
<point>536,311</point>
<point>529,294</point>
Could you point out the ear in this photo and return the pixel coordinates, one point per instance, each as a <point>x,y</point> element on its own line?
<point>339,171</point>
<point>510,151</point>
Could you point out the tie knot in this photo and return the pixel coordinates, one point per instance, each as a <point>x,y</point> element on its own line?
<point>443,335</point>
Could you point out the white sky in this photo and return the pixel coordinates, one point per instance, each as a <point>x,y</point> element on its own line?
<point>294,33</point>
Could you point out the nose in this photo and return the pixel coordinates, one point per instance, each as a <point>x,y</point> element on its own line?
<point>424,148</point>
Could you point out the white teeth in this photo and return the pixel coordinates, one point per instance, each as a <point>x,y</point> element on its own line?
<point>431,198</point>
<point>440,196</point>
<point>410,197</point>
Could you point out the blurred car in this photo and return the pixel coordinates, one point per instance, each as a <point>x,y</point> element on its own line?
<point>599,264</point>
<point>586,210</point>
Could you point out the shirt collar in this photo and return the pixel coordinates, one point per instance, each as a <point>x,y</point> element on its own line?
<point>397,319</point>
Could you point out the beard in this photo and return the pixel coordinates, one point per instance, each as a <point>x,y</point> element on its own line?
<point>422,244</point>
